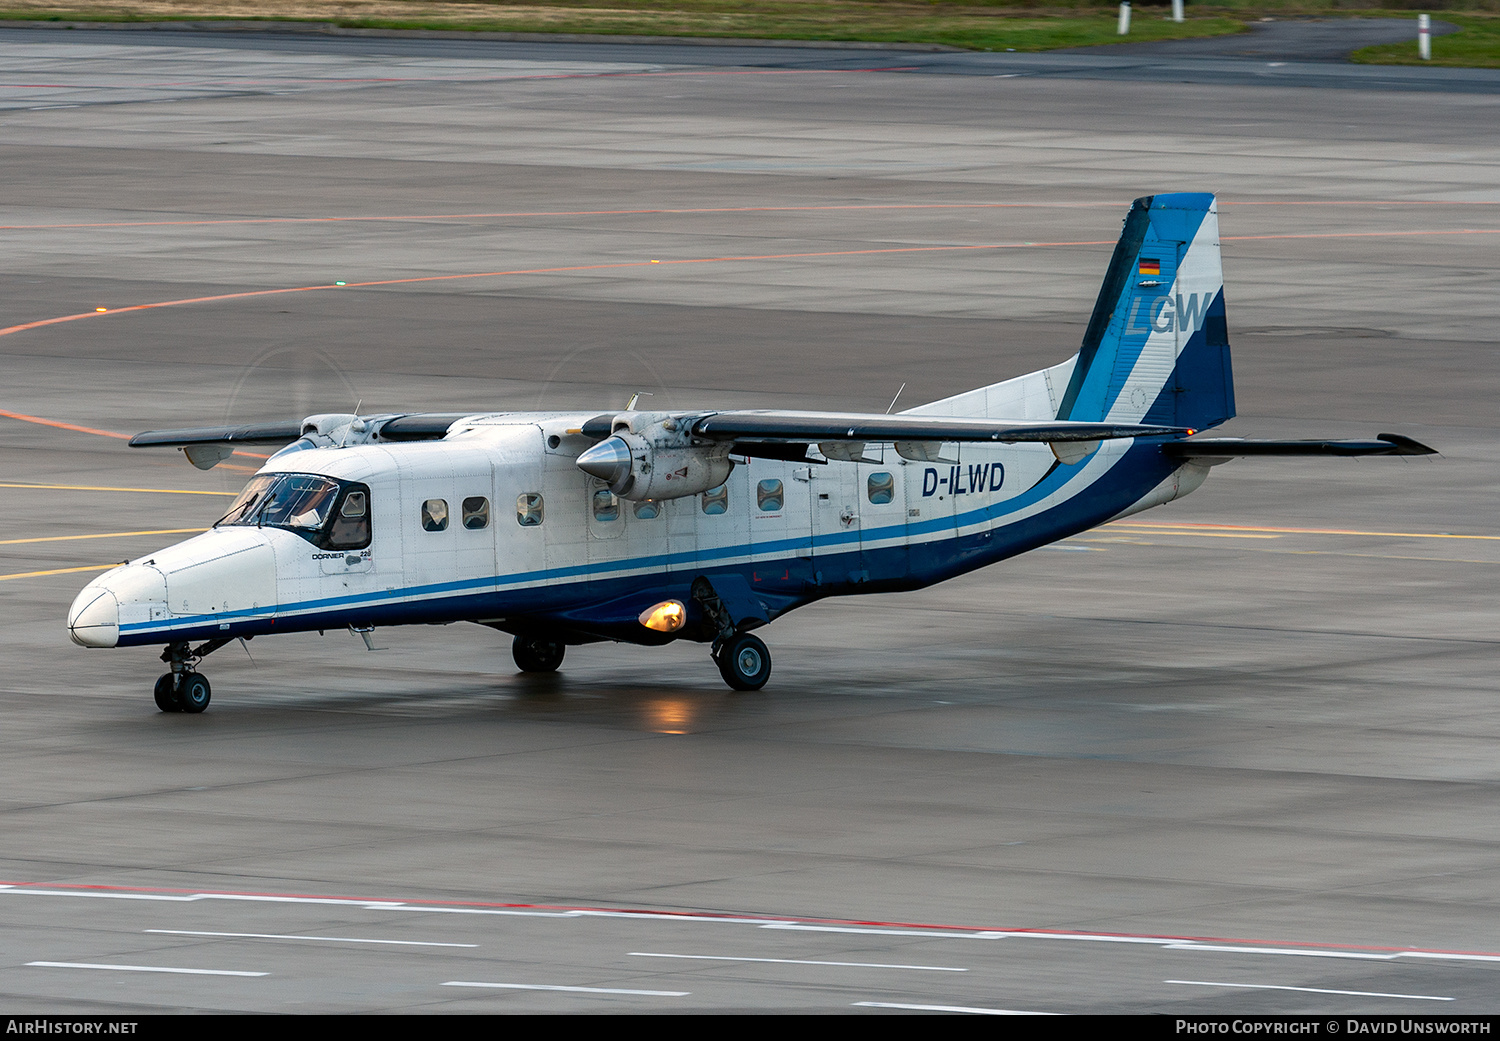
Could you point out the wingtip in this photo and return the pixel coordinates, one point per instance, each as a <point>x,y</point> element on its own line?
<point>1407,445</point>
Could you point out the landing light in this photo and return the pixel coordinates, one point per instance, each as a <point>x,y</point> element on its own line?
<point>666,617</point>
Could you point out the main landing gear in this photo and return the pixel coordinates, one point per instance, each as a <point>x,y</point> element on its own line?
<point>184,689</point>
<point>743,660</point>
<point>536,654</point>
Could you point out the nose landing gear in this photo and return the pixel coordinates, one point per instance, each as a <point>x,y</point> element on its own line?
<point>184,689</point>
<point>537,654</point>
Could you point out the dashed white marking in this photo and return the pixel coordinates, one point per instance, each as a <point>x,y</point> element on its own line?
<point>141,968</point>
<point>801,928</point>
<point>798,961</point>
<point>1225,949</point>
<point>1308,990</point>
<point>326,939</point>
<point>1450,957</point>
<point>950,1008</point>
<point>926,932</point>
<point>570,990</point>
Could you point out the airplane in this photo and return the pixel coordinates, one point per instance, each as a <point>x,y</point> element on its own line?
<point>645,527</point>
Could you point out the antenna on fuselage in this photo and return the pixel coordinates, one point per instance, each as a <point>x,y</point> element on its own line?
<point>354,425</point>
<point>895,399</point>
<point>637,396</point>
<point>363,632</point>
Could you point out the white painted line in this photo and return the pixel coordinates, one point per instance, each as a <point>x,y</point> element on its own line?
<point>667,918</point>
<point>471,910</point>
<point>1450,957</point>
<point>995,934</point>
<point>141,968</point>
<point>1308,990</point>
<point>1281,950</point>
<point>326,939</point>
<point>190,898</point>
<point>798,927</point>
<point>571,990</point>
<point>798,961</point>
<point>950,1008</point>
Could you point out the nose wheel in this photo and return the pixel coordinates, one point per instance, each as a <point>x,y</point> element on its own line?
<point>744,662</point>
<point>183,692</point>
<point>535,654</point>
<point>184,689</point>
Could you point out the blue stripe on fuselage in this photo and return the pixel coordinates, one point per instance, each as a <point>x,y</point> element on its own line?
<point>925,562</point>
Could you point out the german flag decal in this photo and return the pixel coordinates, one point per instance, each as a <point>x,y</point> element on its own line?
<point>1150,267</point>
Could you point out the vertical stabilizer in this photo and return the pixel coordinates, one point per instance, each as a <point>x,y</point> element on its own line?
<point>1157,347</point>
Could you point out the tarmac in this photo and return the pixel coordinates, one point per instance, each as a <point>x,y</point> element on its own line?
<point>1234,755</point>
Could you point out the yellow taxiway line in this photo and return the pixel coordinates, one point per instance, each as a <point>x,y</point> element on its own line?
<point>103,535</point>
<point>1204,529</point>
<point>101,488</point>
<point>58,571</point>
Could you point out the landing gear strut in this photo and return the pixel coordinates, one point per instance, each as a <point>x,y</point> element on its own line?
<point>536,654</point>
<point>184,689</point>
<point>743,660</point>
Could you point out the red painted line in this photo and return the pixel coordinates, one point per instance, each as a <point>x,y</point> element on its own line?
<point>523,271</point>
<point>576,213</point>
<point>734,916</point>
<point>692,260</point>
<point>61,425</point>
<point>1361,234</point>
<point>23,417</point>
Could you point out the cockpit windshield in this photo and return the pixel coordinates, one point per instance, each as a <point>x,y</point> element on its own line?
<point>305,504</point>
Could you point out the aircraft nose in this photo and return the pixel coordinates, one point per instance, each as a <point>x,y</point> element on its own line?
<point>133,590</point>
<point>94,618</point>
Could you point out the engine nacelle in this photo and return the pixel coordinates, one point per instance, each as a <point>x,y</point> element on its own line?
<point>651,457</point>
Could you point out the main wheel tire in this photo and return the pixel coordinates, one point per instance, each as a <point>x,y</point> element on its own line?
<point>194,694</point>
<point>533,654</point>
<point>744,662</point>
<point>166,694</point>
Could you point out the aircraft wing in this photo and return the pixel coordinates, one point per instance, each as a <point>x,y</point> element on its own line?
<point>852,426</point>
<point>249,434</point>
<point>1229,447</point>
<point>419,426</point>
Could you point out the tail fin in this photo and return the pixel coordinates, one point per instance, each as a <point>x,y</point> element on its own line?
<point>1157,347</point>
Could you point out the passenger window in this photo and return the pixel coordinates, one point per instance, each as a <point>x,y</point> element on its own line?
<point>435,515</point>
<point>351,525</point>
<point>476,513</point>
<point>646,509</point>
<point>529,509</point>
<point>881,488</point>
<point>769,496</point>
<point>716,500</point>
<point>606,506</point>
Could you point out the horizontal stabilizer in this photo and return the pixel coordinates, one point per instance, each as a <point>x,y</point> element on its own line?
<point>1230,447</point>
<point>906,427</point>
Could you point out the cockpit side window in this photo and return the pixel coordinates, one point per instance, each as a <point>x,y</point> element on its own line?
<point>351,521</point>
